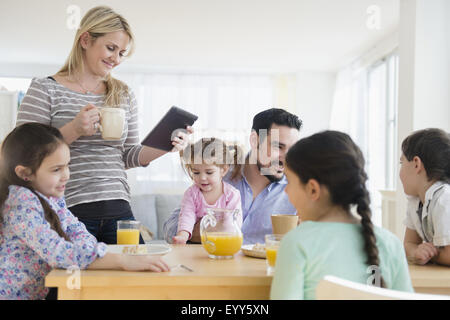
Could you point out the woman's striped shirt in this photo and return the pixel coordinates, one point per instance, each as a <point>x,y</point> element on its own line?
<point>97,166</point>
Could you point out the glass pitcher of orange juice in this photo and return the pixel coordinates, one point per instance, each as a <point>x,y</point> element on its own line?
<point>220,233</point>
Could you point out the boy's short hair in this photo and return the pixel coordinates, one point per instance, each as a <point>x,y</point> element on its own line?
<point>265,119</point>
<point>432,146</point>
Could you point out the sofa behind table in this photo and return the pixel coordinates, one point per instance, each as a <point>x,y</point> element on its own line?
<point>152,210</point>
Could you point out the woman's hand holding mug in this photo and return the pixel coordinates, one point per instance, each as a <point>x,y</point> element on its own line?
<point>86,121</point>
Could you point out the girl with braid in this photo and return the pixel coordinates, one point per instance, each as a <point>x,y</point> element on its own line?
<point>326,182</point>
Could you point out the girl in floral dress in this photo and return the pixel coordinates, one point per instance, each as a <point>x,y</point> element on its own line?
<point>37,231</point>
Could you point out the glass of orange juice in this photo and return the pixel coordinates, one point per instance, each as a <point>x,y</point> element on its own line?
<point>128,232</point>
<point>272,245</point>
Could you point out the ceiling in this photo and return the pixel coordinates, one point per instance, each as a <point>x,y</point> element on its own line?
<point>276,35</point>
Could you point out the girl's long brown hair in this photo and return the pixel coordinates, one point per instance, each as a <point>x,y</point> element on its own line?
<point>213,151</point>
<point>334,160</point>
<point>28,145</point>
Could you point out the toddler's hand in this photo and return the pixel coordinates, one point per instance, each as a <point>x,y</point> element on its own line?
<point>425,252</point>
<point>181,238</point>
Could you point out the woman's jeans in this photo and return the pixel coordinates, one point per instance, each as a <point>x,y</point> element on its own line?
<point>100,218</point>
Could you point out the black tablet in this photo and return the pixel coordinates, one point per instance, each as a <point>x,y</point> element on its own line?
<point>174,120</point>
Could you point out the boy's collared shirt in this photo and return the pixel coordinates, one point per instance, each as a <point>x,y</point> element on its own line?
<point>431,220</point>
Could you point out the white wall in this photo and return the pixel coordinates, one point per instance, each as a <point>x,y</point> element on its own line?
<point>27,69</point>
<point>424,77</point>
<point>282,36</point>
<point>314,96</point>
<point>200,36</point>
<point>432,65</point>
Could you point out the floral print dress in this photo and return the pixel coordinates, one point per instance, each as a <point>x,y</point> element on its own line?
<point>29,248</point>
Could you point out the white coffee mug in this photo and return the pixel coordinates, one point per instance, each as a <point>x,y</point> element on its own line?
<point>112,123</point>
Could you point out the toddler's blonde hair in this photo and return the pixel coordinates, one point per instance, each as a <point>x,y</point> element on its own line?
<point>213,151</point>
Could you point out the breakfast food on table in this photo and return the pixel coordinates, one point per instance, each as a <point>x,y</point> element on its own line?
<point>134,250</point>
<point>259,247</point>
<point>257,250</point>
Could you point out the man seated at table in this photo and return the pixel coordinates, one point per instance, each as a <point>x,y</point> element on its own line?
<point>262,180</point>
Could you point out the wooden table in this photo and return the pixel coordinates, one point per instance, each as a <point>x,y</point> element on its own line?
<point>430,278</point>
<point>240,278</point>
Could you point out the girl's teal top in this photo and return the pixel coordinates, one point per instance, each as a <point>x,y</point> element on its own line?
<point>316,249</point>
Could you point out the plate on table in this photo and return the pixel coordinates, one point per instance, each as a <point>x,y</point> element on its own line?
<point>255,251</point>
<point>140,250</point>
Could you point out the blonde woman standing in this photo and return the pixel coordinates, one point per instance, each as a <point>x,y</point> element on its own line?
<point>97,192</point>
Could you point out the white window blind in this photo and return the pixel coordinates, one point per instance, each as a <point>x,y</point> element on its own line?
<point>365,107</point>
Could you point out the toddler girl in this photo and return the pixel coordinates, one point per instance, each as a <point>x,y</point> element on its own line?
<point>207,162</point>
<point>425,175</point>
<point>326,178</point>
<point>37,231</point>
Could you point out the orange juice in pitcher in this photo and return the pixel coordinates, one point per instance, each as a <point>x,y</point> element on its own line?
<point>220,233</point>
<point>222,243</point>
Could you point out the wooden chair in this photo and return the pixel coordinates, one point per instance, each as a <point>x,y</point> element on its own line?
<point>334,288</point>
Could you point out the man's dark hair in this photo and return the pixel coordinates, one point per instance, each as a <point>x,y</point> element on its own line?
<point>265,119</point>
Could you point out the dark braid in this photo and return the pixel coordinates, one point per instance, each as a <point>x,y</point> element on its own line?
<point>370,241</point>
<point>334,160</point>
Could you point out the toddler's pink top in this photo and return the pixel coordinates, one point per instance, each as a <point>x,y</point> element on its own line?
<point>193,205</point>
